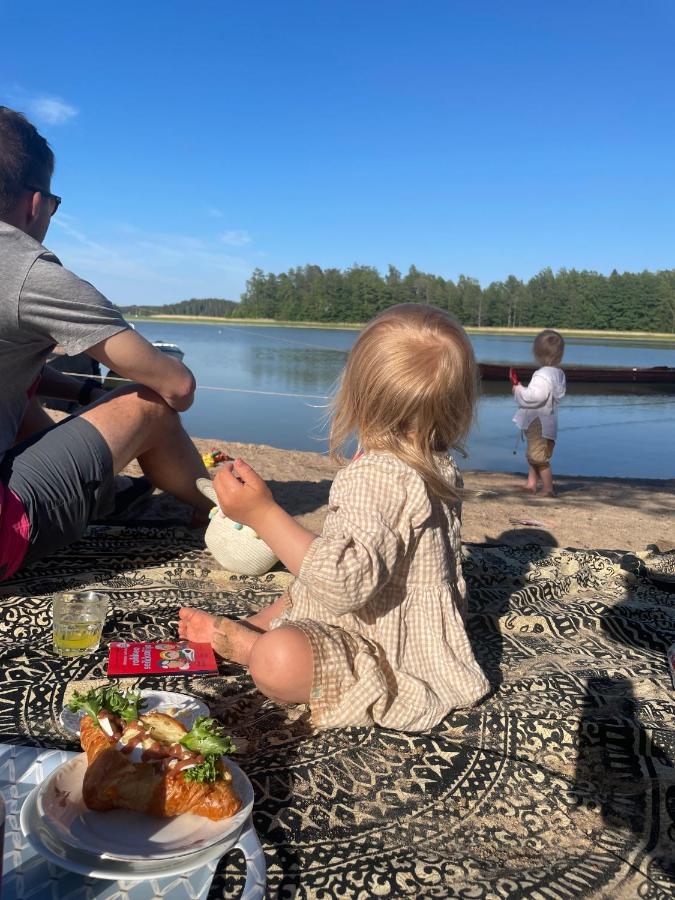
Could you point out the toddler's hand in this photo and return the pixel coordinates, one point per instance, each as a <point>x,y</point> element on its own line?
<point>242,493</point>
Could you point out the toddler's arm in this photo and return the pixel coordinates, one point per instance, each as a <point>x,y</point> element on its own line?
<point>534,395</point>
<point>365,536</point>
<point>244,497</point>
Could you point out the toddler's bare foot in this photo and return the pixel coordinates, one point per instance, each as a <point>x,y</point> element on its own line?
<point>528,488</point>
<point>230,639</point>
<point>196,625</point>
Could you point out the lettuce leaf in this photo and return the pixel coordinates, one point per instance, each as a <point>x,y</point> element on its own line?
<point>207,737</point>
<point>125,704</point>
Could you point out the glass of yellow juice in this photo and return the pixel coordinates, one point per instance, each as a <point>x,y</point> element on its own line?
<point>78,621</point>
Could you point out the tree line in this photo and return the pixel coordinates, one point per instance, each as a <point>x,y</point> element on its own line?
<point>208,306</point>
<point>643,301</point>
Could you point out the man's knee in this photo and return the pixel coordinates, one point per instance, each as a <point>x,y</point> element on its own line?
<point>135,394</point>
<point>137,401</point>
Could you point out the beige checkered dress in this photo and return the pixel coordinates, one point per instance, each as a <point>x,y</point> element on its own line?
<point>382,600</point>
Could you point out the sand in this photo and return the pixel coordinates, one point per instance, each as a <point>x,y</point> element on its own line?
<point>588,513</point>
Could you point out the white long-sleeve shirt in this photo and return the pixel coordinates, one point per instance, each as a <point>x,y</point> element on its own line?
<point>540,400</point>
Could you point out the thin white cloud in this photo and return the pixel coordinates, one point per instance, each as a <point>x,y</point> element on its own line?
<point>64,222</point>
<point>214,213</point>
<point>235,238</point>
<point>51,110</point>
<point>131,265</point>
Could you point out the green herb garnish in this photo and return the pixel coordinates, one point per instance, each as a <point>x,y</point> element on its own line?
<point>125,704</point>
<point>205,771</point>
<point>208,737</point>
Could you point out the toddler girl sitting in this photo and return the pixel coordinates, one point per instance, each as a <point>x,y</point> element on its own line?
<point>372,631</point>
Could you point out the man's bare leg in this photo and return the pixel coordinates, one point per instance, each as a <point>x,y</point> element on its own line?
<point>35,419</point>
<point>136,423</point>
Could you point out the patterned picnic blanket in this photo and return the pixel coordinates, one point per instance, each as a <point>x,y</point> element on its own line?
<point>560,784</point>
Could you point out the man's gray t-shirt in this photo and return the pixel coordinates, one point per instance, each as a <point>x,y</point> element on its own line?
<point>41,304</point>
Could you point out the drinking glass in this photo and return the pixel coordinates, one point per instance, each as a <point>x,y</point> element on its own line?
<point>78,621</point>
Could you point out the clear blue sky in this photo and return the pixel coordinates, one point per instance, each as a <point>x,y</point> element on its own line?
<point>197,140</point>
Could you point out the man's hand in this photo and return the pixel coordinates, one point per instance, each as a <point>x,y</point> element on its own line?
<point>242,494</point>
<point>131,356</point>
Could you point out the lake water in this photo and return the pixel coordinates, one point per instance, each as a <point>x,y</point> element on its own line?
<point>604,430</point>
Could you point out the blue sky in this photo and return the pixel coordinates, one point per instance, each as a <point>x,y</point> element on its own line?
<point>196,141</point>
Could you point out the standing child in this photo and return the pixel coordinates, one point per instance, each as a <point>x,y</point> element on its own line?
<point>538,413</point>
<point>372,631</point>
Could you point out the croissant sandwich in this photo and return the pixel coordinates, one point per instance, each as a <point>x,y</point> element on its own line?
<point>152,763</point>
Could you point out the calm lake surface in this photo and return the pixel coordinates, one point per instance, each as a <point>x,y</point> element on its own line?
<point>604,430</point>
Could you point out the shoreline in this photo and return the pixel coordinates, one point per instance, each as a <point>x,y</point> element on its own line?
<point>588,513</point>
<point>357,326</point>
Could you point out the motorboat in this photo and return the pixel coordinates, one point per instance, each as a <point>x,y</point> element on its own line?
<point>169,348</point>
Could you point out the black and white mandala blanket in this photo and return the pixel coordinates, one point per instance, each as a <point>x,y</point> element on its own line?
<point>560,784</point>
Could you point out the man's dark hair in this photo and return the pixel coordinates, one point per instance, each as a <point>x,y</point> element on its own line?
<point>26,159</point>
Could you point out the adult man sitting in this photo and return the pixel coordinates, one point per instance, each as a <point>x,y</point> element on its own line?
<point>55,479</point>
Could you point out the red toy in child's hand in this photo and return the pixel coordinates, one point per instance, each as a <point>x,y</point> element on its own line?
<point>513,375</point>
<point>218,456</point>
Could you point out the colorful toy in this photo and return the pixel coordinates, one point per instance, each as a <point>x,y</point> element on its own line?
<point>214,457</point>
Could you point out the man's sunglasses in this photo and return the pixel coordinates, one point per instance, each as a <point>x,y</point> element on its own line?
<point>54,197</point>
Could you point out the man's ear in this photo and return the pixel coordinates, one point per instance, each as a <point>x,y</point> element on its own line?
<point>34,207</point>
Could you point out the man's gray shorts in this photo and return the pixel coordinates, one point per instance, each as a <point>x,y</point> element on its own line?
<point>64,478</point>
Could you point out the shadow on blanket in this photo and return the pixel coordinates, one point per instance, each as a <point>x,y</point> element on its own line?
<point>561,781</point>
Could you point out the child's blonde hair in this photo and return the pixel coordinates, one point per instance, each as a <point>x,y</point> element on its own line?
<point>548,347</point>
<point>409,387</point>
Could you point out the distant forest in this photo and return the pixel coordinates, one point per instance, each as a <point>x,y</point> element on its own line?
<point>643,301</point>
<point>209,306</point>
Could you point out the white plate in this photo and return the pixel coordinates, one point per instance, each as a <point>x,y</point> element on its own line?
<point>184,708</point>
<point>75,861</point>
<point>124,835</point>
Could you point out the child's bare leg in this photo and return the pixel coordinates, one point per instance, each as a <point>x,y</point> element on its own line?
<point>281,664</point>
<point>531,483</point>
<point>199,626</point>
<point>261,620</point>
<point>230,639</point>
<point>547,482</point>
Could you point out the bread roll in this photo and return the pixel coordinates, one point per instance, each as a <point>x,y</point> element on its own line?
<point>156,786</point>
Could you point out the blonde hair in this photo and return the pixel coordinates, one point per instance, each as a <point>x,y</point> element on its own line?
<point>548,347</point>
<point>409,387</point>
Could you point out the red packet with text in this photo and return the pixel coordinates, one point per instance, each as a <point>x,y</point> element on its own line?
<point>160,658</point>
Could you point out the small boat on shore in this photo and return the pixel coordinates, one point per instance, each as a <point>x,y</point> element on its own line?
<point>169,348</point>
<point>588,374</point>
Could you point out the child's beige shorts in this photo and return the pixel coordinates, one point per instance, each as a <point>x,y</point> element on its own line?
<point>539,449</point>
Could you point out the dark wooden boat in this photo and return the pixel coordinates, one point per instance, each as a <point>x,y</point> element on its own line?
<point>589,374</point>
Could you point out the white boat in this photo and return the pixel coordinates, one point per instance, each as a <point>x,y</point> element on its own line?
<point>169,349</point>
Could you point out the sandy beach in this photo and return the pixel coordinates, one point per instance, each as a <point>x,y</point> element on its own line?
<point>599,513</point>
<point>587,513</point>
